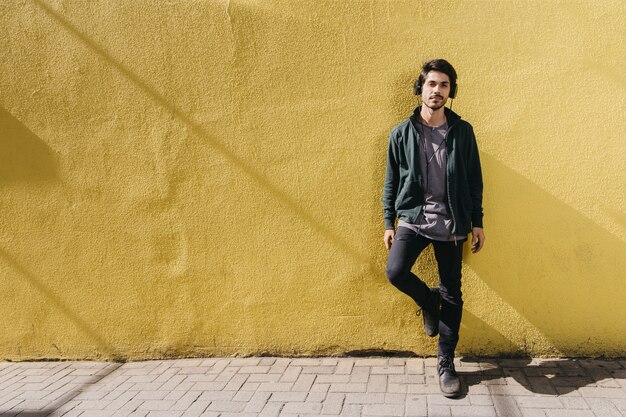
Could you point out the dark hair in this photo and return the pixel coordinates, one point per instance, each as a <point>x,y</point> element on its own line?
<point>440,65</point>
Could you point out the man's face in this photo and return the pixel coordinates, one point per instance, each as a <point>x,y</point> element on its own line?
<point>435,90</point>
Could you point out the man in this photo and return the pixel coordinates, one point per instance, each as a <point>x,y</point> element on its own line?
<point>433,185</point>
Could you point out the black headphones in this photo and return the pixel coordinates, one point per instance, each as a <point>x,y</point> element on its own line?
<point>417,87</point>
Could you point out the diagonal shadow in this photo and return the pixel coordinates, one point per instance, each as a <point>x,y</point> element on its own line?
<point>64,399</point>
<point>479,339</point>
<point>60,305</point>
<point>539,376</point>
<point>23,155</point>
<point>556,267</point>
<point>251,172</point>
<point>536,211</point>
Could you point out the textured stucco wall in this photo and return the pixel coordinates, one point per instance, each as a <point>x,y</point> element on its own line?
<point>182,178</point>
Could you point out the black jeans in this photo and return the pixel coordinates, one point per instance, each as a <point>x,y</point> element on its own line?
<point>406,247</point>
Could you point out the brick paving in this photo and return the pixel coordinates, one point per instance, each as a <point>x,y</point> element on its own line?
<point>288,387</point>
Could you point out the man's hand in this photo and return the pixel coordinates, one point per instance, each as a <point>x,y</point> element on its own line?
<point>389,234</point>
<point>478,239</point>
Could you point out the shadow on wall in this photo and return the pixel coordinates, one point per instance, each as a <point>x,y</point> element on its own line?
<point>478,338</point>
<point>237,161</point>
<point>556,267</point>
<point>103,346</point>
<point>23,156</point>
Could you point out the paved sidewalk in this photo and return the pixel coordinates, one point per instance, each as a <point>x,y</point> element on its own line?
<point>223,387</point>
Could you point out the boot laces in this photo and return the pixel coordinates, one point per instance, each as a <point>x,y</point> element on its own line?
<point>446,363</point>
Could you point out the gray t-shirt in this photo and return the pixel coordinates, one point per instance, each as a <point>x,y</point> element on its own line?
<point>434,220</point>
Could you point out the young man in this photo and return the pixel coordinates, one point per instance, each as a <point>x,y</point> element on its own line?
<point>433,185</point>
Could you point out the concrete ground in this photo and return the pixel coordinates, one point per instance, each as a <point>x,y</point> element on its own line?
<point>377,386</point>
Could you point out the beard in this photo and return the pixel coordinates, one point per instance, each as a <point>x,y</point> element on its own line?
<point>435,106</point>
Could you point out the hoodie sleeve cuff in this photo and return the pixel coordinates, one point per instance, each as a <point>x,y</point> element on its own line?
<point>477,220</point>
<point>390,224</point>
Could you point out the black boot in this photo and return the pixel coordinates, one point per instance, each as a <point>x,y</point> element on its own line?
<point>449,381</point>
<point>431,313</point>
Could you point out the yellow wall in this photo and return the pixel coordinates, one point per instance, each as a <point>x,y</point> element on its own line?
<point>190,178</point>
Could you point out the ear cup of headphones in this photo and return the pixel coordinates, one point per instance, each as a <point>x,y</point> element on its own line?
<point>417,88</point>
<point>453,90</point>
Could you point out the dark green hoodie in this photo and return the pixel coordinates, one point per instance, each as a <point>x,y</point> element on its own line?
<point>402,192</point>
